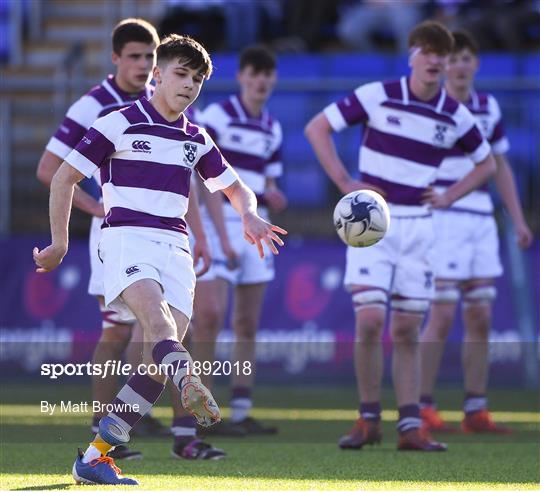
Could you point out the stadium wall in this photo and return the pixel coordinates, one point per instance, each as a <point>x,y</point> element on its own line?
<point>306,330</point>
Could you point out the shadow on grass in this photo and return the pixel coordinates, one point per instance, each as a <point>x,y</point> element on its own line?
<point>47,487</point>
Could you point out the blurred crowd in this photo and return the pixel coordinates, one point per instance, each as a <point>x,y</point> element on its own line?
<point>360,25</point>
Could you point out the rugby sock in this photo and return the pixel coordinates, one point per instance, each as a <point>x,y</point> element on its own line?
<point>427,401</point>
<point>409,418</point>
<point>474,402</point>
<point>133,401</point>
<point>241,403</point>
<point>371,412</point>
<point>172,354</point>
<point>183,429</point>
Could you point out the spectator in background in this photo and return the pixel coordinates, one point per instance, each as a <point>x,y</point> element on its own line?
<point>363,25</point>
<point>309,23</point>
<point>201,19</point>
<point>219,24</point>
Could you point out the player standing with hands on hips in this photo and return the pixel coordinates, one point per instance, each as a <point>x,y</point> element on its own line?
<point>410,126</point>
<point>148,270</point>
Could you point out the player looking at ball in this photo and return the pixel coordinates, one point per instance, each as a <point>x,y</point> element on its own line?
<point>148,270</point>
<point>410,126</point>
<point>467,252</point>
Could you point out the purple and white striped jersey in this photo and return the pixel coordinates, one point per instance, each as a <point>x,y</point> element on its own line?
<point>97,102</point>
<point>146,164</point>
<point>485,109</point>
<point>406,139</point>
<point>251,145</point>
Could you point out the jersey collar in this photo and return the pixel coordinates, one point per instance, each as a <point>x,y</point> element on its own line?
<point>155,118</point>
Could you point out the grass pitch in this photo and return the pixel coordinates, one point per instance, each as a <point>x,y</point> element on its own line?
<point>37,450</point>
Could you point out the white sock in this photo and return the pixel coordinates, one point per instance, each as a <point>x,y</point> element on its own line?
<point>240,408</point>
<point>92,453</point>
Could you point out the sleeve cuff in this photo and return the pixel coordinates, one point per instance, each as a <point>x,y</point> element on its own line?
<point>335,118</point>
<point>81,163</point>
<point>225,179</point>
<point>273,170</point>
<point>480,153</point>
<point>501,146</point>
<point>58,148</point>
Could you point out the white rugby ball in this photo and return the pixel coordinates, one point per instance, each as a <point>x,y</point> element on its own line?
<point>361,218</point>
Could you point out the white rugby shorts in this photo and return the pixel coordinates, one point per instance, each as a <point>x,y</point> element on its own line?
<point>401,263</point>
<point>466,246</point>
<point>132,254</point>
<point>250,268</point>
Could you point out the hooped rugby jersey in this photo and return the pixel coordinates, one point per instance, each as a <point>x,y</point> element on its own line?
<point>406,139</point>
<point>97,102</point>
<point>146,163</point>
<point>485,109</point>
<point>253,145</point>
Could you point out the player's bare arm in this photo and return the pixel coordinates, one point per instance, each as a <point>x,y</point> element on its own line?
<point>276,199</point>
<point>193,218</point>
<point>477,177</point>
<point>319,134</point>
<point>506,185</point>
<point>60,202</point>
<point>47,167</point>
<point>256,230</point>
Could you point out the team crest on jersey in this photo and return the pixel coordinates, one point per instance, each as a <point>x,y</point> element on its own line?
<point>440,132</point>
<point>190,153</point>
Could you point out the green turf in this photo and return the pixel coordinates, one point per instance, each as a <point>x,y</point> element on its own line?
<point>37,450</point>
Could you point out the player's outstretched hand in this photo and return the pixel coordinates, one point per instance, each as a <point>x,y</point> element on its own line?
<point>524,235</point>
<point>435,199</point>
<point>257,231</point>
<point>49,258</point>
<point>201,251</point>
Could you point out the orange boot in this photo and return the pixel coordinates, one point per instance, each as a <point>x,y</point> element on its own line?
<point>363,432</point>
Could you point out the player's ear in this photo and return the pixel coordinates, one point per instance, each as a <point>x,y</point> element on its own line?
<point>115,58</point>
<point>156,74</point>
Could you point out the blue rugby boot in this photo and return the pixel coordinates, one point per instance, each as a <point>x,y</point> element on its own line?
<point>100,471</point>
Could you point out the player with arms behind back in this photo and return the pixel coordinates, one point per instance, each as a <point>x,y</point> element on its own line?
<point>467,252</point>
<point>148,270</point>
<point>410,125</point>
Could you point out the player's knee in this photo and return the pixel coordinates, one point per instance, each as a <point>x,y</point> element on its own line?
<point>245,327</point>
<point>478,323</point>
<point>208,319</point>
<point>440,323</point>
<point>369,325</point>
<point>405,333</point>
<point>161,328</point>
